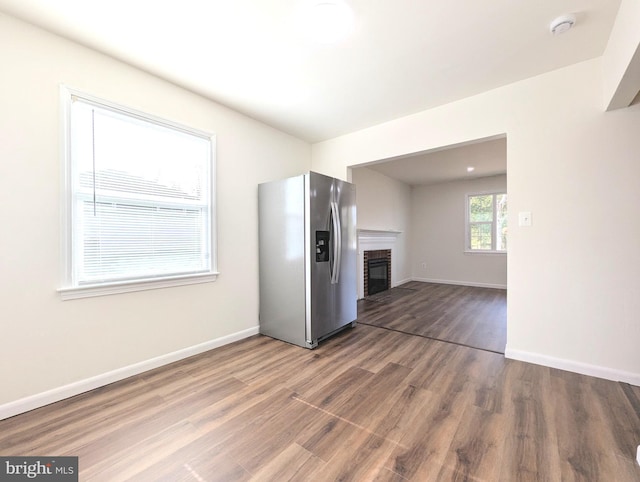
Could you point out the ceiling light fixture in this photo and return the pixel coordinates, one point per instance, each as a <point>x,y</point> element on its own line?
<point>471,169</point>
<point>562,24</point>
<point>329,21</point>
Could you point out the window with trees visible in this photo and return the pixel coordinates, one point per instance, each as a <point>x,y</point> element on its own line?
<point>138,198</point>
<point>487,222</point>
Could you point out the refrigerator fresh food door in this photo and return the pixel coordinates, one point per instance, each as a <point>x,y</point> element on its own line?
<point>346,291</point>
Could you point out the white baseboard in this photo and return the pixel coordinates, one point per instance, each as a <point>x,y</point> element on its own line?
<point>54,395</point>
<point>401,282</point>
<point>461,283</point>
<point>574,366</point>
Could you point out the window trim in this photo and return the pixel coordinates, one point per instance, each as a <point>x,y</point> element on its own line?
<point>68,290</point>
<point>467,224</point>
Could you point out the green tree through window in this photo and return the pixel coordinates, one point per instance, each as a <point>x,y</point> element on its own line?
<point>487,222</point>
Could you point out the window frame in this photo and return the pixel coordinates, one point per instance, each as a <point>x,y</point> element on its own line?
<point>70,289</point>
<point>493,222</point>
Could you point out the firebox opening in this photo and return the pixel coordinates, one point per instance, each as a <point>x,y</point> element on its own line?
<point>378,275</point>
<point>377,271</point>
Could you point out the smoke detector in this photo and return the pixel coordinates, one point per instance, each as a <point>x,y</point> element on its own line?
<point>562,24</point>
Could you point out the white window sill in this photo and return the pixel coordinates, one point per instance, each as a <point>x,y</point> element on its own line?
<point>477,251</point>
<point>89,291</point>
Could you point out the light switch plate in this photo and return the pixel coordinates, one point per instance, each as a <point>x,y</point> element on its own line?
<point>524,218</point>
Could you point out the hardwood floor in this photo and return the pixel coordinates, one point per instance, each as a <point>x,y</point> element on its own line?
<point>470,316</point>
<point>369,404</point>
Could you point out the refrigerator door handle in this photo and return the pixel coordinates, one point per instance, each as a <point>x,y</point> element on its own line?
<point>337,242</point>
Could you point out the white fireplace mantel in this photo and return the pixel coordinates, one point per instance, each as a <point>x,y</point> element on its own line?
<point>373,237</point>
<point>371,240</point>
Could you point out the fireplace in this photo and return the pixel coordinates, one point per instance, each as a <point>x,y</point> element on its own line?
<point>377,271</point>
<point>375,240</point>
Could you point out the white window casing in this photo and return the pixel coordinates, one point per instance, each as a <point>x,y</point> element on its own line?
<point>138,208</point>
<point>485,230</point>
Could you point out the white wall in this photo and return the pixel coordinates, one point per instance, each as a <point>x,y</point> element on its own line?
<point>574,275</point>
<point>384,204</point>
<point>438,235</point>
<point>621,59</point>
<point>47,343</point>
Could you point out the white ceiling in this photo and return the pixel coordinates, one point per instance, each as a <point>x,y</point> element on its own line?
<point>404,56</point>
<point>487,157</point>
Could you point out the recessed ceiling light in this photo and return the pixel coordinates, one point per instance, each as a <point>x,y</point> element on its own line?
<point>471,169</point>
<point>328,21</point>
<point>562,24</point>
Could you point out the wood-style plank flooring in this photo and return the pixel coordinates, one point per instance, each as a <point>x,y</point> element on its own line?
<point>471,316</point>
<point>369,404</point>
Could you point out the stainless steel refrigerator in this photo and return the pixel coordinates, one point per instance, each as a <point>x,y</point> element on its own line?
<point>308,280</point>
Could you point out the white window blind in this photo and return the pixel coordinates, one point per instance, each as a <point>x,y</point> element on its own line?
<point>141,196</point>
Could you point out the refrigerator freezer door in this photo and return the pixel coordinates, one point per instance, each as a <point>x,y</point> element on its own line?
<point>320,195</point>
